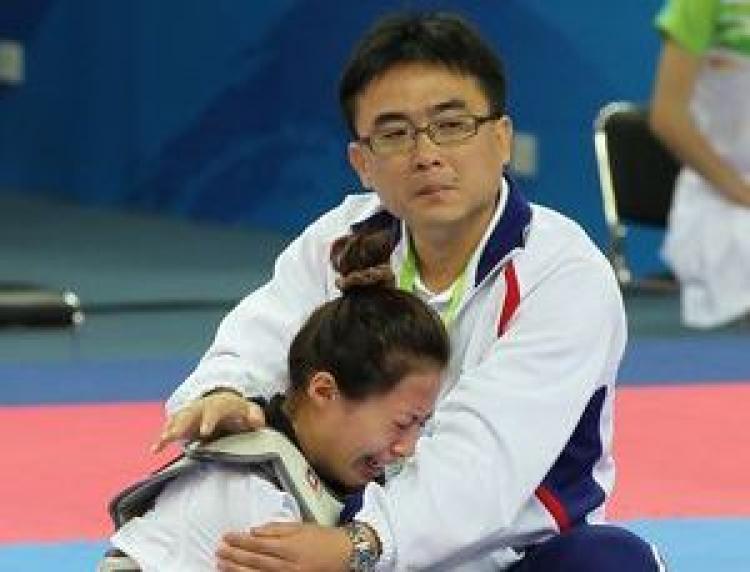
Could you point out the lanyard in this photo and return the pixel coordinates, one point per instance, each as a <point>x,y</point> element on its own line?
<point>408,276</point>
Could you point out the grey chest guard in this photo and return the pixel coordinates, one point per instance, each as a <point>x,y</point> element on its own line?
<point>269,452</point>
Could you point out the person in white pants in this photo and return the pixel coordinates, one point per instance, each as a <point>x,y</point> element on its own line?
<point>701,110</point>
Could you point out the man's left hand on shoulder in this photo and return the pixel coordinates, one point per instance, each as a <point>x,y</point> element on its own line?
<point>285,546</point>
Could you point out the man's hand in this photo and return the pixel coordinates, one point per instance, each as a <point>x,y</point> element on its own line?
<point>285,547</point>
<point>220,411</point>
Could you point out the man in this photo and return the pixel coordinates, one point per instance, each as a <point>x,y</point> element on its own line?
<point>516,463</point>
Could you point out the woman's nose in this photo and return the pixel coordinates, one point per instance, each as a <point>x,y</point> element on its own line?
<point>406,443</point>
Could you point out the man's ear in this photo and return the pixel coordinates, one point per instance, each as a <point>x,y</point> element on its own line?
<point>358,161</point>
<point>504,135</point>
<point>322,388</point>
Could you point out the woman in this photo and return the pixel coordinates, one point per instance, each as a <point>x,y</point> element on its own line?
<point>364,373</point>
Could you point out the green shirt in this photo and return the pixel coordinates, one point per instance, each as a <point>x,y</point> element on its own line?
<point>700,25</point>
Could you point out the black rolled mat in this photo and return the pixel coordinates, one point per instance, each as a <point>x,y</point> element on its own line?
<point>32,305</point>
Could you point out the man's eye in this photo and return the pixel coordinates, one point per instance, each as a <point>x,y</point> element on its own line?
<point>394,133</point>
<point>450,125</point>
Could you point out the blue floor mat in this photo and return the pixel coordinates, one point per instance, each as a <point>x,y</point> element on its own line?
<point>60,557</point>
<point>689,545</point>
<point>682,361</point>
<point>699,545</point>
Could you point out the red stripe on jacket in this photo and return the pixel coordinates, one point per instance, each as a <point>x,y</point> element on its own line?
<point>512,298</point>
<point>554,506</point>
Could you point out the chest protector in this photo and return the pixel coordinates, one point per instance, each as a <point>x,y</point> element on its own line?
<point>267,451</point>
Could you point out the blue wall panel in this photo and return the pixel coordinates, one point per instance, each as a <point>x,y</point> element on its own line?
<point>227,110</point>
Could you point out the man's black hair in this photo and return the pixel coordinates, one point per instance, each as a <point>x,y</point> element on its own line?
<point>440,39</point>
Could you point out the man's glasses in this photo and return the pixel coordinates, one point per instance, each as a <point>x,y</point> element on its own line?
<point>400,136</point>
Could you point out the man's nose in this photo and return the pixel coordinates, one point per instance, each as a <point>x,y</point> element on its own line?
<point>426,153</point>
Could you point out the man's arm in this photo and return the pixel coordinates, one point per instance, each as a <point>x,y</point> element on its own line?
<point>500,430</point>
<point>673,122</point>
<point>497,435</point>
<point>248,355</point>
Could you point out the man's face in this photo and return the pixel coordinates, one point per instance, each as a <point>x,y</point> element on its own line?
<point>357,439</point>
<point>431,186</point>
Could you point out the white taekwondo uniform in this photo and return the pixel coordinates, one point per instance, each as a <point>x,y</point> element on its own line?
<point>182,532</point>
<point>519,447</point>
<point>172,521</point>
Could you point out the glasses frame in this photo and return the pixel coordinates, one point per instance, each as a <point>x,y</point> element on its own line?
<point>428,129</point>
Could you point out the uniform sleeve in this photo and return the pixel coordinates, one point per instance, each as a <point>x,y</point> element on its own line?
<point>689,23</point>
<point>249,351</point>
<point>499,431</point>
<point>183,530</point>
<point>224,500</point>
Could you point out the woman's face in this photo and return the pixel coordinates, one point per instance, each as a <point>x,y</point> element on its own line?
<point>355,439</point>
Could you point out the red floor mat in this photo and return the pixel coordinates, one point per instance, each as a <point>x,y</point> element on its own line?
<point>682,451</point>
<point>62,464</point>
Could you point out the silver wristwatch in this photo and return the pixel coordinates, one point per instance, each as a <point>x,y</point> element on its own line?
<point>364,553</point>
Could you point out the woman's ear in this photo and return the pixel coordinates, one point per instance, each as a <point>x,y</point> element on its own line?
<point>322,388</point>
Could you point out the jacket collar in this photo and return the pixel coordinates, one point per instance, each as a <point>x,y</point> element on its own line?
<point>508,230</point>
<point>508,233</point>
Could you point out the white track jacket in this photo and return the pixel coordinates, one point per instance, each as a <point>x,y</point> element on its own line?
<point>520,446</point>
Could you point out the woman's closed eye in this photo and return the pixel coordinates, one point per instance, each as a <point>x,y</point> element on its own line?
<point>416,421</point>
<point>403,425</point>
